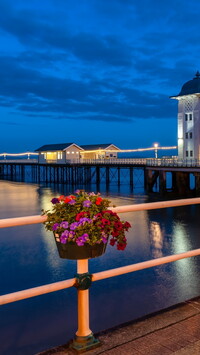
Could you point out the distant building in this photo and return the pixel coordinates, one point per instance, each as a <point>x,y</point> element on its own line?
<point>63,152</point>
<point>99,151</point>
<point>58,153</point>
<point>189,119</point>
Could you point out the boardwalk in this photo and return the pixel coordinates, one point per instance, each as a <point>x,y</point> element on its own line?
<point>173,331</point>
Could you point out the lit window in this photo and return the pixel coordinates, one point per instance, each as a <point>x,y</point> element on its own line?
<point>72,152</point>
<point>67,152</point>
<point>76,152</point>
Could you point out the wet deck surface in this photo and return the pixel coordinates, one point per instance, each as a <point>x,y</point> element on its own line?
<point>176,330</point>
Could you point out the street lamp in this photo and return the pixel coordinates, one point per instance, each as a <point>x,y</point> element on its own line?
<point>156,150</point>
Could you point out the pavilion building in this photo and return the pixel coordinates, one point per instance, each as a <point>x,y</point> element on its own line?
<point>189,119</point>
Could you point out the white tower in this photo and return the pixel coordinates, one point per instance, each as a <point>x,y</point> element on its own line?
<point>189,119</point>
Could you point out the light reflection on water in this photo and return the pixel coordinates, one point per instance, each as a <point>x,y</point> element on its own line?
<point>29,258</point>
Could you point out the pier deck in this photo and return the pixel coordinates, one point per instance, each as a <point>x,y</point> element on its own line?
<point>172,331</point>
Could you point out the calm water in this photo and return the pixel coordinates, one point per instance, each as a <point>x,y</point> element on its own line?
<point>29,258</point>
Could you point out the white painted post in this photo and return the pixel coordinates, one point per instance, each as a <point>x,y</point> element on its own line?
<point>84,339</point>
<point>83,303</point>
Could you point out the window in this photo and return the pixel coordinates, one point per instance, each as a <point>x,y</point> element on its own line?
<point>190,115</point>
<point>191,153</point>
<point>190,134</point>
<point>186,153</point>
<point>186,116</point>
<point>186,135</point>
<point>59,155</point>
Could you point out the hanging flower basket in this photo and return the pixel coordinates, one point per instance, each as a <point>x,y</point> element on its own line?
<point>82,224</point>
<point>74,252</point>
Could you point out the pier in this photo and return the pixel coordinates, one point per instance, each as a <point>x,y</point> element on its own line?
<point>154,173</point>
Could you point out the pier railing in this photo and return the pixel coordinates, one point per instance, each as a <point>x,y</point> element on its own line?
<point>84,339</point>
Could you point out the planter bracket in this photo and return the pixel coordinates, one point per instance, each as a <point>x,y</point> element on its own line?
<point>83,281</point>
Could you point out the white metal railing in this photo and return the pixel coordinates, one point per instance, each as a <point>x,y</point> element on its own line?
<point>84,331</point>
<point>27,161</point>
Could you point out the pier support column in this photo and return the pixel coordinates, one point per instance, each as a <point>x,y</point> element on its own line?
<point>162,181</point>
<point>131,176</point>
<point>197,183</point>
<point>183,182</point>
<point>97,174</point>
<point>150,179</point>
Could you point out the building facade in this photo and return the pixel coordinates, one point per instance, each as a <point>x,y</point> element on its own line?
<point>71,152</point>
<point>189,119</point>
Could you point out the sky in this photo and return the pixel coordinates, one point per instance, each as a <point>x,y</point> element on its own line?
<point>94,71</point>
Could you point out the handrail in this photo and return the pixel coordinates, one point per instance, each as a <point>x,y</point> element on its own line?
<point>84,333</point>
<point>56,286</point>
<point>21,221</point>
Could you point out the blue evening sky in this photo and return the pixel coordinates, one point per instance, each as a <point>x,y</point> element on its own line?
<point>94,71</point>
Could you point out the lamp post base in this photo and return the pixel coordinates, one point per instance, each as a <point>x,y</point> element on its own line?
<point>82,344</point>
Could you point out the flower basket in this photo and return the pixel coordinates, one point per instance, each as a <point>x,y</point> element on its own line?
<point>74,252</point>
<point>82,224</point>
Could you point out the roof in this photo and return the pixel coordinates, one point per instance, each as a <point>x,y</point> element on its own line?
<point>97,146</point>
<point>190,87</point>
<point>53,147</point>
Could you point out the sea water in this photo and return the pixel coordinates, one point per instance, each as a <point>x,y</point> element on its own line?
<point>29,258</point>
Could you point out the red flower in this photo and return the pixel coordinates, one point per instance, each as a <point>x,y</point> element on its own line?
<point>98,201</point>
<point>61,198</point>
<point>82,214</point>
<point>121,246</point>
<point>126,226</point>
<point>115,233</point>
<point>112,241</point>
<point>105,221</point>
<point>118,225</point>
<point>67,199</point>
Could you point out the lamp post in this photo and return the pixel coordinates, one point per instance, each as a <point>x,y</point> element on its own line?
<point>156,150</point>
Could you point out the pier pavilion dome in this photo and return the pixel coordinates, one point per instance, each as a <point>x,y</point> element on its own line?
<point>190,87</point>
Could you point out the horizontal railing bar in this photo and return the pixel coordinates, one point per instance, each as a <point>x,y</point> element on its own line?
<point>20,221</point>
<point>56,286</point>
<point>156,205</point>
<point>143,265</point>
<point>36,291</point>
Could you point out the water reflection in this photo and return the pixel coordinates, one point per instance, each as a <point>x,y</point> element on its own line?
<point>156,236</point>
<point>30,258</point>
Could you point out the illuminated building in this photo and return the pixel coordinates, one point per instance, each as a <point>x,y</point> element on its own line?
<point>189,119</point>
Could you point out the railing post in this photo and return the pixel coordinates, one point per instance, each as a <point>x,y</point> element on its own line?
<point>84,339</point>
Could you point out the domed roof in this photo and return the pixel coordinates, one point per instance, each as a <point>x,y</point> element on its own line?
<point>191,86</point>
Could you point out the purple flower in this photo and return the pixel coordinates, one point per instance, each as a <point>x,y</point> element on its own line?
<point>72,202</point>
<point>74,225</point>
<point>104,240</point>
<point>81,240</point>
<point>55,226</point>
<point>87,203</point>
<point>65,234</point>
<point>77,192</point>
<point>71,235</point>
<point>64,237</point>
<point>85,236</point>
<point>64,224</point>
<point>63,240</point>
<point>85,219</point>
<point>55,200</point>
